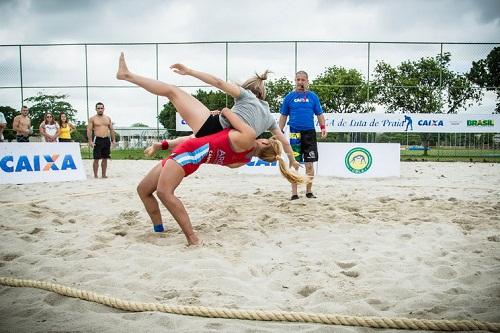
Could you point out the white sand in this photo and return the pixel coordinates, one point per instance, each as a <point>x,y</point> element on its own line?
<point>426,245</point>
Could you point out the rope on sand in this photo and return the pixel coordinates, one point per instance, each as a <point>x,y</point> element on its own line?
<point>319,318</point>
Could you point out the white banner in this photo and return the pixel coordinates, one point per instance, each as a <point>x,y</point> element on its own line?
<point>410,122</point>
<point>359,160</point>
<point>346,160</point>
<point>37,162</point>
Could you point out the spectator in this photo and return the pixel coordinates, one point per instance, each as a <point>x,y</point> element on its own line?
<point>3,123</point>
<point>22,125</point>
<point>100,134</point>
<point>66,128</point>
<point>49,128</point>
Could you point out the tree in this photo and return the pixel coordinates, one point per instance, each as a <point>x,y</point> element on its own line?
<point>213,100</point>
<point>424,86</point>
<point>342,90</point>
<point>55,104</point>
<point>9,114</point>
<point>80,133</point>
<point>276,90</point>
<point>486,73</point>
<point>138,125</point>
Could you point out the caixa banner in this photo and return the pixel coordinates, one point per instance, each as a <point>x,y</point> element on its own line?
<point>405,123</point>
<point>22,163</point>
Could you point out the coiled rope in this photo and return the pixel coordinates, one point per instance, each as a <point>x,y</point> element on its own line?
<point>304,317</point>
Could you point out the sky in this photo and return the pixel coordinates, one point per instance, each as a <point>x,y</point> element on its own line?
<point>168,21</point>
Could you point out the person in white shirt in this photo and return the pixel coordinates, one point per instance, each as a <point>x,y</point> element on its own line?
<point>49,128</point>
<point>3,123</point>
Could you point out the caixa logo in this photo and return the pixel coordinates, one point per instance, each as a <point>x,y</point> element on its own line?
<point>9,163</point>
<point>431,122</point>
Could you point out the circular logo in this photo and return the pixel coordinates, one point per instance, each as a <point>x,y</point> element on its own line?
<point>358,160</point>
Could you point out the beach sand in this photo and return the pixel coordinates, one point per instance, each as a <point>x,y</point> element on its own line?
<point>425,245</point>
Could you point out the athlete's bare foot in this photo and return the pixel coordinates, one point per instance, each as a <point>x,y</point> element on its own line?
<point>104,176</point>
<point>194,241</point>
<point>123,73</point>
<point>199,244</point>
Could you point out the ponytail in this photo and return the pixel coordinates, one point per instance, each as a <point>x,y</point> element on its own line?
<point>272,153</point>
<point>256,84</point>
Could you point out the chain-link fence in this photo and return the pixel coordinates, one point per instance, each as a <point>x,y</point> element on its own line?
<point>86,74</point>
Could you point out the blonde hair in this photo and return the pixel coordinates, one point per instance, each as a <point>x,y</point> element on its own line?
<point>272,153</point>
<point>256,84</point>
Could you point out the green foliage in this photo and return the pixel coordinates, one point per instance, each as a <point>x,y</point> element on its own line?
<point>486,73</point>
<point>424,86</point>
<point>55,104</point>
<point>342,90</point>
<point>9,114</point>
<point>139,125</point>
<point>276,90</point>
<point>213,100</point>
<point>80,133</point>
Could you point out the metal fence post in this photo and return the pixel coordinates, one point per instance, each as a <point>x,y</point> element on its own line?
<point>21,75</point>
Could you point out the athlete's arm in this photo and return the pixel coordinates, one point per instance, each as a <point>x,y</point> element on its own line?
<point>245,136</point>
<point>230,88</point>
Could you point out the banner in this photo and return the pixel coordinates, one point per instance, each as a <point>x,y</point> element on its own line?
<point>359,160</point>
<point>36,162</point>
<point>404,123</point>
<point>346,160</point>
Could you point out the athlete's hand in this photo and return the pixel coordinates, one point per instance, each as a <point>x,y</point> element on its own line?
<point>151,150</point>
<point>180,69</point>
<point>91,144</point>
<point>294,164</point>
<point>323,133</point>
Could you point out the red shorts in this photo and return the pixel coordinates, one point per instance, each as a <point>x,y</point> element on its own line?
<point>189,155</point>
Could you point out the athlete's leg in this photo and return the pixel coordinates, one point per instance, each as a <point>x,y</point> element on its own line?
<point>190,109</point>
<point>170,177</point>
<point>145,189</point>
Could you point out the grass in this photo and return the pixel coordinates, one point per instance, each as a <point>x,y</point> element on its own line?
<point>126,154</point>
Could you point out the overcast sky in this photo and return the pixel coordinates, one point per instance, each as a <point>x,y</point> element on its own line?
<point>103,21</point>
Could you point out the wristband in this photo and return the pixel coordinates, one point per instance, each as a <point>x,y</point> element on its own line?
<point>322,127</point>
<point>158,228</point>
<point>164,145</point>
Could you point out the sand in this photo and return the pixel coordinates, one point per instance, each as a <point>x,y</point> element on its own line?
<point>425,245</point>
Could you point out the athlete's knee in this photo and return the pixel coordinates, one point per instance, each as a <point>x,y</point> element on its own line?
<point>141,190</point>
<point>170,91</point>
<point>165,195</point>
